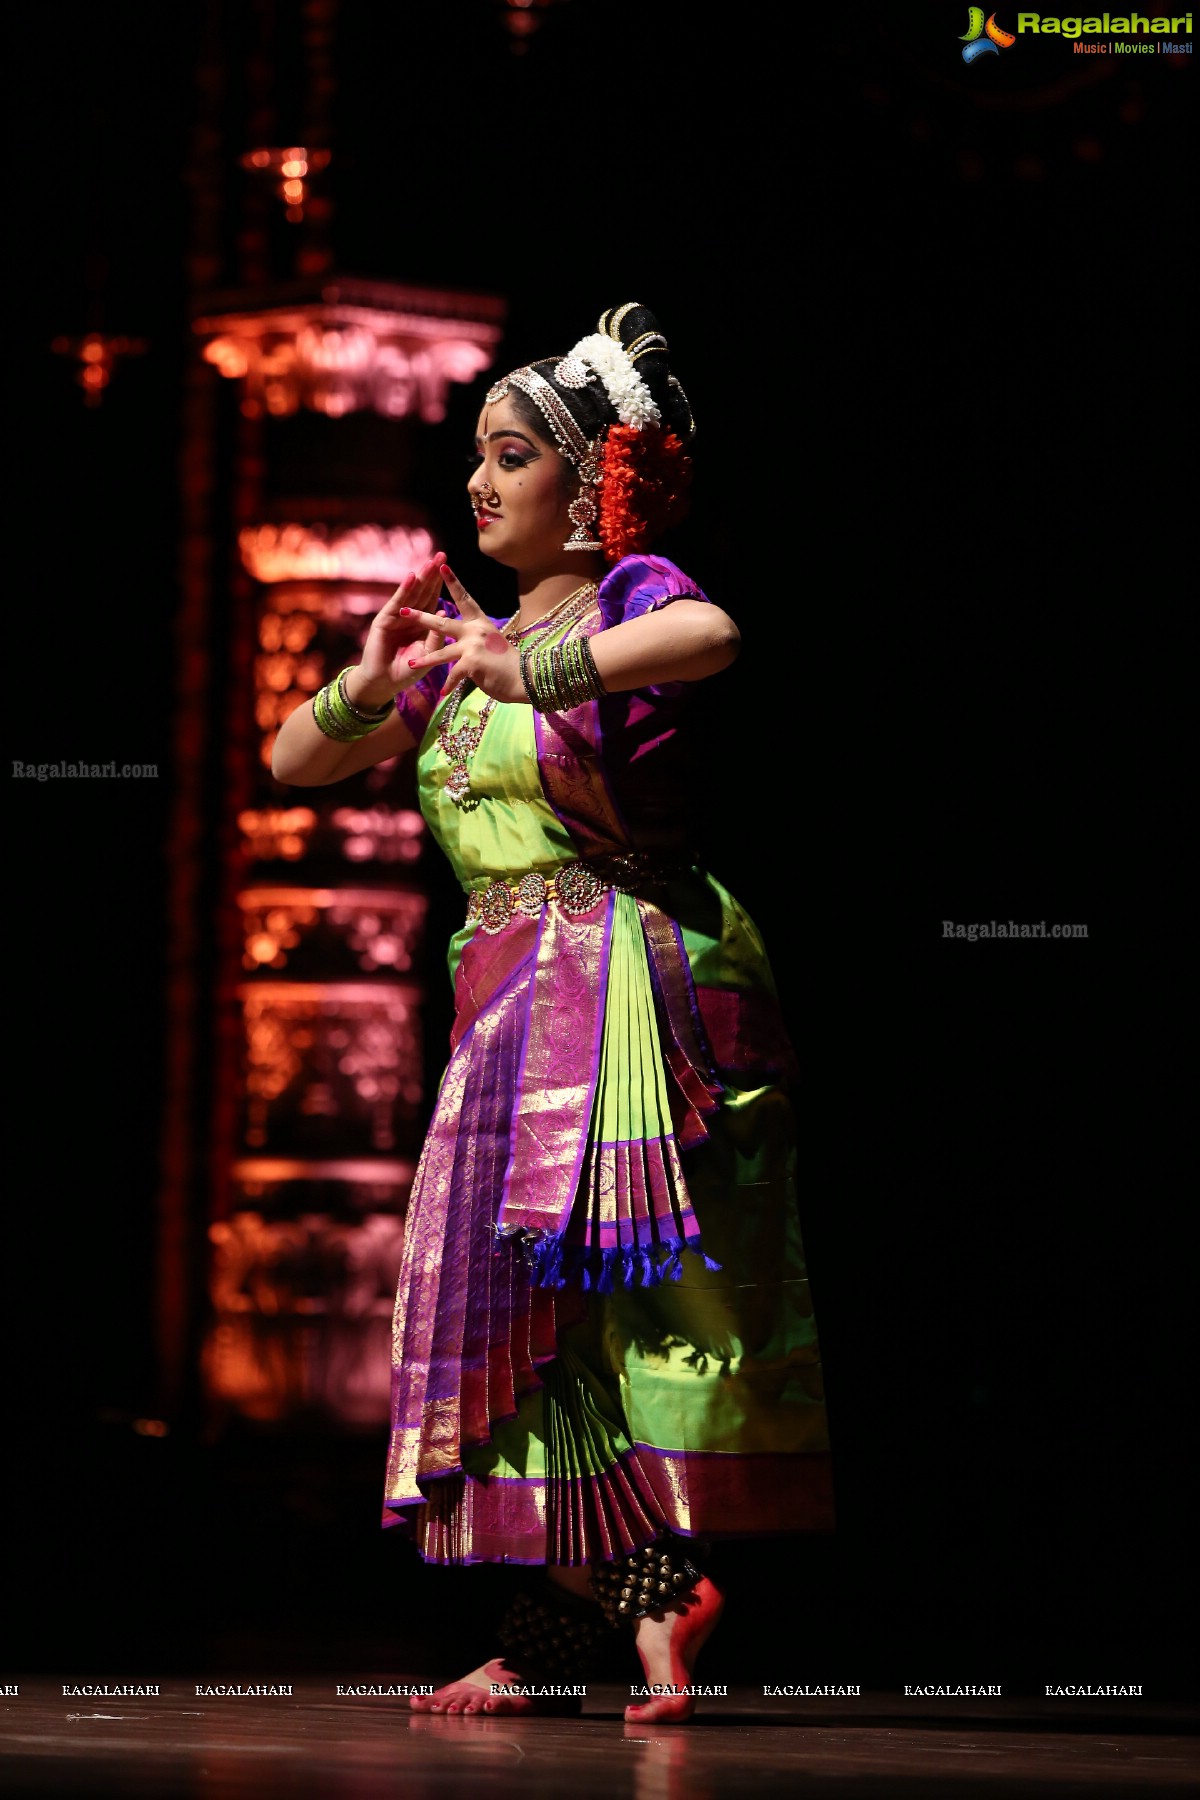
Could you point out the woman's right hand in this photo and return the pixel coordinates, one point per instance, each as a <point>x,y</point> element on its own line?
<point>302,755</point>
<point>383,661</point>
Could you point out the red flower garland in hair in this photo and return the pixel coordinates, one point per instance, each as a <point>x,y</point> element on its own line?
<point>646,477</point>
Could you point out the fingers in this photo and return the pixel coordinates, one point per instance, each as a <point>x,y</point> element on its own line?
<point>399,599</point>
<point>466,605</point>
<point>432,658</point>
<point>429,578</point>
<point>442,623</point>
<point>421,583</point>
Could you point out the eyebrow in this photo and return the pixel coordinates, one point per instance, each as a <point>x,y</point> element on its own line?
<point>493,435</point>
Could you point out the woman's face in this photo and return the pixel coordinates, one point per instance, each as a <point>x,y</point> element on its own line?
<point>517,491</point>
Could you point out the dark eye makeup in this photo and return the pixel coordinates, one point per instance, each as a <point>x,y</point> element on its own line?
<point>508,458</point>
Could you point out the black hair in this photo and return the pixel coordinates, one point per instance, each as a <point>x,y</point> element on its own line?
<point>590,406</point>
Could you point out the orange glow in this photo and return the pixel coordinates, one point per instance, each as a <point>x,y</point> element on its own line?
<point>97,356</point>
<point>291,631</point>
<point>293,190</point>
<point>270,1281</point>
<point>292,159</point>
<point>151,1427</point>
<point>349,1050</point>
<point>276,831</point>
<point>310,552</point>
<point>375,1170</point>
<point>382,928</point>
<point>228,356</point>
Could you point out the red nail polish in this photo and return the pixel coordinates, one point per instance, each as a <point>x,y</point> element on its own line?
<point>413,661</point>
<point>404,611</point>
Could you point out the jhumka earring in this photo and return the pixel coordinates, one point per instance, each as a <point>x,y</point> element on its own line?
<point>584,510</point>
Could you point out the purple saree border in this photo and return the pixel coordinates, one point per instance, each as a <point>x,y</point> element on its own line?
<point>689,988</point>
<point>692,1500</point>
<point>610,907</point>
<point>506,1184</point>
<point>539,984</point>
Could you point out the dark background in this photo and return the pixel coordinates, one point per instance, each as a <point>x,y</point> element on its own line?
<point>934,327</point>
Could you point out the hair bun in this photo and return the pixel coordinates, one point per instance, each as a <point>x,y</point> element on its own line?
<point>639,334</point>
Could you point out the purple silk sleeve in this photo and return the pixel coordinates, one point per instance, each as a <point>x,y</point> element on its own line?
<point>650,770</point>
<point>642,584</point>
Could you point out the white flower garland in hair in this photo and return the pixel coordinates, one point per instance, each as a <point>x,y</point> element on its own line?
<point>629,394</point>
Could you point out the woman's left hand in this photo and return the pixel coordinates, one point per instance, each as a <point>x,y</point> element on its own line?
<point>474,648</point>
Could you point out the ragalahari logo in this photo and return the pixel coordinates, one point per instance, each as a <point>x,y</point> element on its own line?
<point>982,39</point>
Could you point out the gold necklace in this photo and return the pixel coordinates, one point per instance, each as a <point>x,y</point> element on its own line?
<point>459,746</point>
<point>547,619</point>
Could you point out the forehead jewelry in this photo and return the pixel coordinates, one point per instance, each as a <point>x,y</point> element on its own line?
<point>566,433</point>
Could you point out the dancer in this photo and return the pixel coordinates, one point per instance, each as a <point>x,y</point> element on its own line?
<point>604,1351</point>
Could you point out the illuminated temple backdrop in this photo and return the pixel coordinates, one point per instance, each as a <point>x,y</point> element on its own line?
<point>931,331</point>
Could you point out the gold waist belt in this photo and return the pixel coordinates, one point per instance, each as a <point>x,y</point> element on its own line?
<point>575,887</point>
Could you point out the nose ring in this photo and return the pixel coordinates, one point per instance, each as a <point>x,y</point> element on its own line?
<point>486,491</point>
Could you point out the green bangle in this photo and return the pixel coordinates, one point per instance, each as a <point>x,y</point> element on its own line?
<point>334,718</point>
<point>373,716</point>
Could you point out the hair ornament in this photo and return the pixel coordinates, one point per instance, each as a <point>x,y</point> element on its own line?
<point>613,326</point>
<point>630,397</point>
<point>641,346</point>
<point>497,391</point>
<point>572,373</point>
<point>673,381</point>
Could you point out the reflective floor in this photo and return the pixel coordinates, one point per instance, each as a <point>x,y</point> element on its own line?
<point>316,1746</point>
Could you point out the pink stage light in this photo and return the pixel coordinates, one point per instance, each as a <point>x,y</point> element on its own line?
<point>365,347</point>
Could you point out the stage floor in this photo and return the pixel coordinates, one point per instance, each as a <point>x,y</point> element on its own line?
<point>315,1745</point>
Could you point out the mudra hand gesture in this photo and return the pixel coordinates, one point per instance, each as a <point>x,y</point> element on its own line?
<point>400,629</point>
<point>471,644</point>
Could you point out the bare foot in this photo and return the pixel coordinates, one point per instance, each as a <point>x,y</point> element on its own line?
<point>473,1693</point>
<point>668,1643</point>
